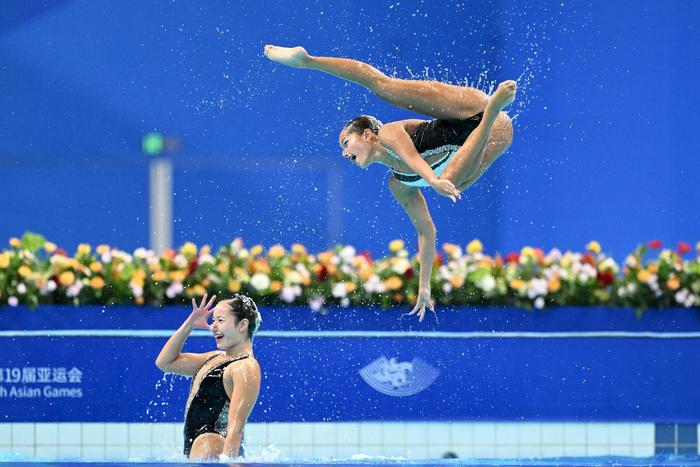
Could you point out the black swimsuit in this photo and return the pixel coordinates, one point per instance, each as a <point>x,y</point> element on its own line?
<point>438,136</point>
<point>208,409</point>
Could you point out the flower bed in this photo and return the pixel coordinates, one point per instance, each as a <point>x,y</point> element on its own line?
<point>34,271</point>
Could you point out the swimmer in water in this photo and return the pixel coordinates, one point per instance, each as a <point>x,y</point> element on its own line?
<point>225,382</point>
<point>449,153</point>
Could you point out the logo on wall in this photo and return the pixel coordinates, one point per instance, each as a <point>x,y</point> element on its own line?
<point>399,379</point>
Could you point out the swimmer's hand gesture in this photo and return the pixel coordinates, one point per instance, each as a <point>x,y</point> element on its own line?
<point>201,313</point>
<point>446,188</point>
<point>422,302</point>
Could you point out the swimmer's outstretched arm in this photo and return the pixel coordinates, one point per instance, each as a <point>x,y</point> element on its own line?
<point>170,359</point>
<point>413,202</point>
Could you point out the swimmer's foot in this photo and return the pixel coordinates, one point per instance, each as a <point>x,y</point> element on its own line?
<point>296,57</point>
<point>504,95</point>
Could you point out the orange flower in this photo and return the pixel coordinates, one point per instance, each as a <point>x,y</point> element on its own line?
<point>393,283</point>
<point>234,286</point>
<point>673,283</point>
<point>275,286</point>
<point>554,284</point>
<point>158,276</point>
<point>96,266</point>
<point>139,300</point>
<point>66,278</point>
<point>24,271</point>
<point>456,281</point>
<point>643,275</point>
<point>276,251</point>
<point>97,283</point>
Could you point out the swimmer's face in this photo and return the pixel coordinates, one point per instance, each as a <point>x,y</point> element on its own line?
<point>228,331</point>
<point>357,148</point>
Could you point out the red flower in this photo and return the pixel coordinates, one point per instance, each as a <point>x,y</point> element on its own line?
<point>408,273</point>
<point>683,248</point>
<point>654,244</point>
<point>323,273</point>
<point>513,257</point>
<point>60,251</point>
<point>439,259</point>
<point>588,259</point>
<point>367,255</point>
<point>192,266</point>
<point>605,278</point>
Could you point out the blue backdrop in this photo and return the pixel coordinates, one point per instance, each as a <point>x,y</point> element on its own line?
<point>606,119</point>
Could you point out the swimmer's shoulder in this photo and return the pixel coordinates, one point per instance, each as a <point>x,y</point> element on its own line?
<point>409,125</point>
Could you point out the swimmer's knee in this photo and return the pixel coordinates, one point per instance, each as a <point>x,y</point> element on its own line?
<point>207,446</point>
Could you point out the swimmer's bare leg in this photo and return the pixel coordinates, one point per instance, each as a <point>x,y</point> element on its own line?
<point>483,145</point>
<point>432,98</point>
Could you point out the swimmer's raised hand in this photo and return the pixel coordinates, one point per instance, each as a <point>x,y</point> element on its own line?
<point>201,313</point>
<point>296,57</point>
<point>422,301</point>
<point>446,188</point>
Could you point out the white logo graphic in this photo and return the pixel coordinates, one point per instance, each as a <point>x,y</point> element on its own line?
<point>399,379</point>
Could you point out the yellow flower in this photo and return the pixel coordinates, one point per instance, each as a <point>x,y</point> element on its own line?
<point>222,268</point>
<point>276,286</point>
<point>653,268</point>
<point>350,287</point>
<point>518,284</point>
<point>475,246</point>
<point>593,247</point>
<point>486,262</point>
<point>4,260</point>
<point>177,276</point>
<point>393,282</point>
<point>234,286</point>
<point>299,249</point>
<point>205,250</point>
<point>325,257</point>
<point>456,281</point>
<point>206,282</point>
<point>159,276</point>
<point>66,278</point>
<point>256,250</point>
<point>137,281</point>
<point>189,249</point>
<point>24,271</point>
<point>528,252</point>
<point>96,266</point>
<point>195,291</point>
<point>139,300</point>
<point>396,245</point>
<point>554,284</point>
<point>102,249</point>
<point>673,283</point>
<point>260,266</point>
<point>83,250</point>
<point>97,283</point>
<point>697,246</point>
<point>643,275</point>
<point>15,242</point>
<point>276,251</point>
<point>50,247</point>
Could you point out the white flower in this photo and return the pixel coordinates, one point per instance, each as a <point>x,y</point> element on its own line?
<point>553,256</point>
<point>290,293</point>
<point>539,303</point>
<point>260,281</point>
<point>137,290</point>
<point>486,283</point>
<point>21,288</point>
<point>631,261</point>
<point>631,288</point>
<point>347,254</point>
<point>374,285</point>
<point>106,258</point>
<point>447,287</point>
<point>608,264</point>
<point>444,273</point>
<point>690,301</point>
<point>346,269</point>
<point>174,290</point>
<point>207,259</point>
<point>180,261</point>
<point>74,289</point>
<point>293,277</point>
<point>536,287</point>
<point>141,253</point>
<point>12,300</point>
<point>214,278</point>
<point>345,302</point>
<point>339,290</point>
<point>316,303</point>
<point>49,287</point>
<point>681,296</point>
<point>401,265</point>
<point>236,245</point>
